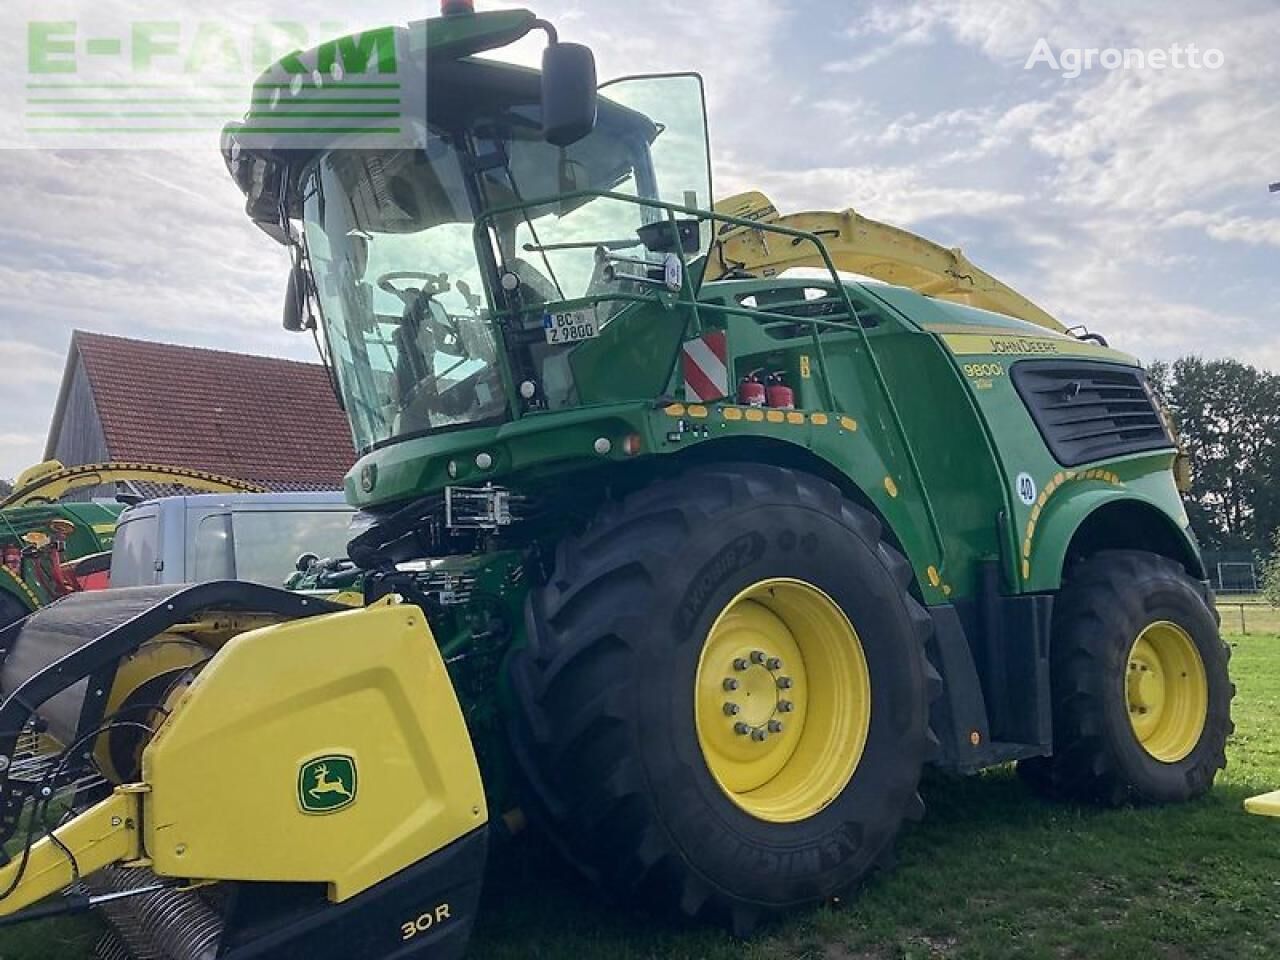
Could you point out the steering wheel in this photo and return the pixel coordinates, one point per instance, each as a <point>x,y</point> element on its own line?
<point>435,284</point>
<point>417,302</point>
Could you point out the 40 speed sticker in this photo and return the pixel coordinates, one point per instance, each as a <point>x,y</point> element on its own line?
<point>1025,485</point>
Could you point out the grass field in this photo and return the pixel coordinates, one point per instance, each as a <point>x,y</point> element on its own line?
<point>991,873</point>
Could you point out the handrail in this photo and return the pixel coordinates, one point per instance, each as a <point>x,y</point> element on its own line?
<point>481,240</point>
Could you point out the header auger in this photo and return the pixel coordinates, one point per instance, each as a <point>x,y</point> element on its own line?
<point>681,561</point>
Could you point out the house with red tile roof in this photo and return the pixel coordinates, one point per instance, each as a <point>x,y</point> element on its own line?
<point>271,421</point>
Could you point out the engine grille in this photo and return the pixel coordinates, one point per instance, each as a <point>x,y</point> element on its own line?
<point>1090,411</point>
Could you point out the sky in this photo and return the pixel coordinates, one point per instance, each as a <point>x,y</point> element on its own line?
<point>1133,201</point>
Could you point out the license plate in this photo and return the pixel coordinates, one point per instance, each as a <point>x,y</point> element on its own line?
<point>571,327</point>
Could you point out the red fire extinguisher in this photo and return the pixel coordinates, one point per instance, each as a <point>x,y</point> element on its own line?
<point>751,392</point>
<point>779,395</point>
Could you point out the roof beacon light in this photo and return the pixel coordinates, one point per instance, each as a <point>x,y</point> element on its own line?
<point>455,8</point>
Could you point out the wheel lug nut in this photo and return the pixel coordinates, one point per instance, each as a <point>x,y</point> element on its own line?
<point>730,709</point>
<point>730,684</point>
<point>775,726</point>
<point>741,729</point>
<point>757,656</point>
<point>759,736</point>
<point>773,663</point>
<point>784,683</point>
<point>785,706</point>
<point>740,664</point>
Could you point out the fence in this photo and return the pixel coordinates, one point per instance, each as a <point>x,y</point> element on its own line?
<point>1248,616</point>
<point>1237,577</point>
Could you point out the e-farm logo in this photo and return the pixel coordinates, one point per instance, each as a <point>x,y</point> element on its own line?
<point>87,83</point>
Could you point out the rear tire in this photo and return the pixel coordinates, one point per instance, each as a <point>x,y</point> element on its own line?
<point>613,734</point>
<point>1141,693</point>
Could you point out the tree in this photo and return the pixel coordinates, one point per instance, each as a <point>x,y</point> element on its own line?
<point>1271,573</point>
<point>1228,414</point>
<point>6,487</point>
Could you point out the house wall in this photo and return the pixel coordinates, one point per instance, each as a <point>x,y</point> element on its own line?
<point>80,438</point>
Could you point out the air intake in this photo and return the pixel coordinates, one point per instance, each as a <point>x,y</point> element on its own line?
<point>1090,411</point>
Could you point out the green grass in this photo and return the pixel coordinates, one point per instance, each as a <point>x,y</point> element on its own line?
<point>991,873</point>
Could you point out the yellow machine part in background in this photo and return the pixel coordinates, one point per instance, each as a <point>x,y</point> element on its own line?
<point>50,481</point>
<point>1267,805</point>
<point>863,246</point>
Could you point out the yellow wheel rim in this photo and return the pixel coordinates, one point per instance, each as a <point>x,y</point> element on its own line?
<point>1167,691</point>
<point>783,700</point>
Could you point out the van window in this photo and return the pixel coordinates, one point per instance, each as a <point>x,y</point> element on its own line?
<point>214,557</point>
<point>135,552</point>
<point>268,544</point>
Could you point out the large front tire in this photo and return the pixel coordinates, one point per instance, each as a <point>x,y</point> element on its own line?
<point>1141,694</point>
<point>652,693</point>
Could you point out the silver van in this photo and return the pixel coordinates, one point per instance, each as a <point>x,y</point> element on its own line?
<point>241,536</point>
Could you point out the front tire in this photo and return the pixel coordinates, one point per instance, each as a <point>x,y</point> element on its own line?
<point>651,694</point>
<point>1141,693</point>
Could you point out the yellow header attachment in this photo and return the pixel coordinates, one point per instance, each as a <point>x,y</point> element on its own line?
<point>108,833</point>
<point>862,246</point>
<point>50,481</point>
<point>329,749</point>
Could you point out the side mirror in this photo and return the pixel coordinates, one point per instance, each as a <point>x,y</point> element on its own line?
<point>662,236</point>
<point>569,97</point>
<point>295,301</point>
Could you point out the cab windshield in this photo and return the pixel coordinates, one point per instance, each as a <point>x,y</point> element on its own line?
<point>403,286</point>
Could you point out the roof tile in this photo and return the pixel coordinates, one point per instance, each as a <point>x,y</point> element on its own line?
<point>263,419</point>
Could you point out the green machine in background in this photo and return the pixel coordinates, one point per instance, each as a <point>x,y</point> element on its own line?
<point>50,547</point>
<point>690,561</point>
<point>38,542</point>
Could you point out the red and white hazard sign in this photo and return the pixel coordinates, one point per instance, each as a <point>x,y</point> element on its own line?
<point>706,368</point>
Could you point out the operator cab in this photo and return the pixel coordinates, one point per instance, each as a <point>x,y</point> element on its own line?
<point>457,275</point>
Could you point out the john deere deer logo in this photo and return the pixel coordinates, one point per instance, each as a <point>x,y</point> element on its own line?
<point>327,784</point>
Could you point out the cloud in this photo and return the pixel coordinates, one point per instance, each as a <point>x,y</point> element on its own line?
<point>19,451</point>
<point>1222,226</point>
<point>26,363</point>
<point>897,195</point>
